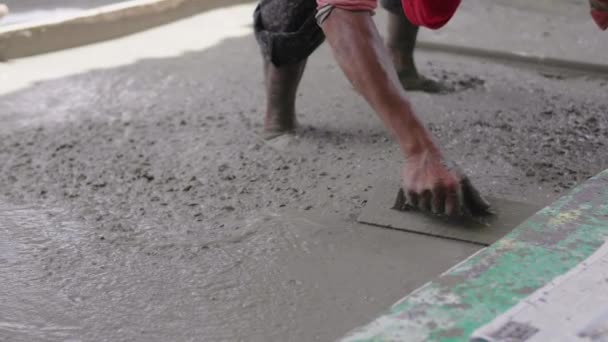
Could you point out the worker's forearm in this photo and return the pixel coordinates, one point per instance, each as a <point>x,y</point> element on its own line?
<point>362,56</point>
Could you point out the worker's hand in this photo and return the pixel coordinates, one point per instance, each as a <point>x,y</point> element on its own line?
<point>432,184</point>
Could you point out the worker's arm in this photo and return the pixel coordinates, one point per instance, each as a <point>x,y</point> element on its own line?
<point>428,181</point>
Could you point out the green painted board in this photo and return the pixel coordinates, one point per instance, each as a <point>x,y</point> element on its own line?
<point>473,293</point>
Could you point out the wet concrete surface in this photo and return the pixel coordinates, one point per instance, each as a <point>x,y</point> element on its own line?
<point>139,203</point>
<point>294,278</point>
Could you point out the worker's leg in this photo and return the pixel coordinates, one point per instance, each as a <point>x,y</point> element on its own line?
<point>401,41</point>
<point>281,90</point>
<point>287,33</point>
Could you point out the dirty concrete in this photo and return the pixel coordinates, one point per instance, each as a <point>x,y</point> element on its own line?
<point>141,204</point>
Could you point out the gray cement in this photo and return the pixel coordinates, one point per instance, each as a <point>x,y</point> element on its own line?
<point>138,202</point>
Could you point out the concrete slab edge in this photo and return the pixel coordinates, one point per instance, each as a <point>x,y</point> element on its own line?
<point>515,57</point>
<point>99,24</point>
<point>473,293</point>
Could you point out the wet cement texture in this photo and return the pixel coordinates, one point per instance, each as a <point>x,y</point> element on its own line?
<point>139,203</point>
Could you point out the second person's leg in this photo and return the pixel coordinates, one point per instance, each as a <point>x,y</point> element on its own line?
<point>401,41</point>
<point>287,33</point>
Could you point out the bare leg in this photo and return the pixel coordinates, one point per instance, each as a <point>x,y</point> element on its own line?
<point>281,90</point>
<point>401,43</point>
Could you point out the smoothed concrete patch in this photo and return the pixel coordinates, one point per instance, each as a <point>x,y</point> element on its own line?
<point>484,231</point>
<point>282,276</point>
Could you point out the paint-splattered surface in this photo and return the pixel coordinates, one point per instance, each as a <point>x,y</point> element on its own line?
<point>474,292</point>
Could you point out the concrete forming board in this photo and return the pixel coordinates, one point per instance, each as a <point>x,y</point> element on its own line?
<point>509,214</point>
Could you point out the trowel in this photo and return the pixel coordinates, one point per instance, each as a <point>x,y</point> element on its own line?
<point>381,211</point>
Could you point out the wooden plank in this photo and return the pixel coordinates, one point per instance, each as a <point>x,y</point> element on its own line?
<point>572,307</point>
